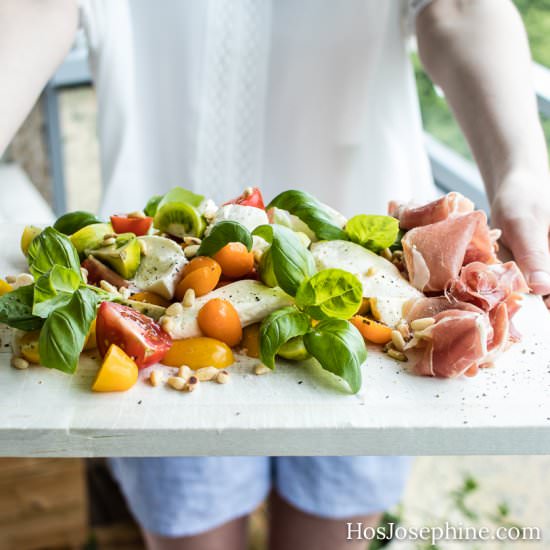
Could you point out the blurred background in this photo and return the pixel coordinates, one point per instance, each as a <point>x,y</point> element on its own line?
<point>71,503</point>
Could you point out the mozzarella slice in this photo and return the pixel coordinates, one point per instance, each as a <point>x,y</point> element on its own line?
<point>249,216</point>
<point>382,282</point>
<point>252,299</point>
<point>160,267</point>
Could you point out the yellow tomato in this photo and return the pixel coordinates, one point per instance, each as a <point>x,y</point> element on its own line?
<point>251,340</point>
<point>91,342</point>
<point>371,330</point>
<point>28,346</point>
<point>29,233</point>
<point>150,298</point>
<point>199,352</point>
<point>201,274</point>
<point>118,372</point>
<point>235,260</point>
<point>219,319</point>
<point>4,287</point>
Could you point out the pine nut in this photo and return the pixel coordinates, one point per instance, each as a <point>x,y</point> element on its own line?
<point>167,324</point>
<point>395,354</point>
<point>192,384</point>
<point>176,382</point>
<point>109,236</point>
<point>403,328</point>
<point>155,378</point>
<point>191,240</point>
<point>185,372</point>
<point>124,292</point>
<point>23,279</point>
<point>137,214</point>
<point>108,287</point>
<point>19,362</point>
<point>260,368</point>
<point>143,247</point>
<point>222,377</point>
<point>174,309</point>
<point>397,340</point>
<point>10,279</point>
<point>423,323</point>
<point>109,241</point>
<point>84,273</point>
<point>371,271</point>
<point>206,373</point>
<point>386,253</point>
<point>247,192</point>
<point>191,250</point>
<point>189,298</point>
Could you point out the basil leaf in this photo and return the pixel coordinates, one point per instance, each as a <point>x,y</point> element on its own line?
<point>54,289</point>
<point>51,248</point>
<point>372,231</point>
<point>330,294</point>
<point>397,245</point>
<point>222,233</point>
<point>278,328</point>
<point>339,348</point>
<point>16,309</point>
<point>64,333</point>
<point>287,262</point>
<point>317,216</point>
<point>152,205</point>
<point>73,221</point>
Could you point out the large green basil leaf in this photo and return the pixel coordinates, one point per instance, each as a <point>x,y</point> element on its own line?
<point>278,328</point>
<point>51,248</point>
<point>340,349</point>
<point>317,216</point>
<point>16,309</point>
<point>290,262</point>
<point>54,289</point>
<point>372,231</point>
<point>152,205</point>
<point>64,333</point>
<point>73,221</point>
<point>222,233</point>
<point>330,294</point>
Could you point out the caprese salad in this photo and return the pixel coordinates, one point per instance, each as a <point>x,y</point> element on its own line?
<point>186,283</point>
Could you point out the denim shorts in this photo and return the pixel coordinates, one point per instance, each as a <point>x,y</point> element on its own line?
<point>176,497</point>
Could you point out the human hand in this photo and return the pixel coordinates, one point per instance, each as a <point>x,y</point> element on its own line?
<point>521,209</point>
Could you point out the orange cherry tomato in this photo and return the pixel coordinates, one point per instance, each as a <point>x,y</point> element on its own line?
<point>199,352</point>
<point>371,330</point>
<point>219,319</point>
<point>251,340</point>
<point>150,298</point>
<point>118,372</point>
<point>202,276</point>
<point>235,260</point>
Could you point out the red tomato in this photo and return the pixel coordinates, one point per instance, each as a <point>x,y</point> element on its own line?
<point>128,224</point>
<point>136,334</point>
<point>251,196</point>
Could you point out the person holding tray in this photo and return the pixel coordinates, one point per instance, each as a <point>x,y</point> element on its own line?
<point>317,95</point>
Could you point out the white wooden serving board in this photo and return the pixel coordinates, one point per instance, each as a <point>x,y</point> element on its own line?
<point>298,410</point>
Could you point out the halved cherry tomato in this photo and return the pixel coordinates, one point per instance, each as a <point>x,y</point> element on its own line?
<point>199,352</point>
<point>127,224</point>
<point>138,335</point>
<point>250,342</point>
<point>150,298</point>
<point>371,330</point>
<point>201,274</point>
<point>118,372</point>
<point>235,260</point>
<point>251,196</point>
<point>219,319</point>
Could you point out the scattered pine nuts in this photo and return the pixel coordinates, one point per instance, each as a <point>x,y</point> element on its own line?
<point>109,241</point>
<point>423,323</point>
<point>192,384</point>
<point>143,247</point>
<point>124,292</point>
<point>403,328</point>
<point>222,377</point>
<point>191,250</point>
<point>397,340</point>
<point>108,287</point>
<point>185,372</point>
<point>167,324</point>
<point>206,373</point>
<point>399,355</point>
<point>10,279</point>
<point>260,368</point>
<point>247,192</point>
<point>191,240</point>
<point>189,298</point>
<point>174,309</point>
<point>176,382</point>
<point>84,273</point>
<point>23,279</point>
<point>387,254</point>
<point>155,378</point>
<point>371,271</point>
<point>19,362</point>
<point>137,214</point>
<point>109,236</point>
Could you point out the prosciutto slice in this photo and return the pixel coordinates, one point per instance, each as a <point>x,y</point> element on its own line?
<point>411,216</point>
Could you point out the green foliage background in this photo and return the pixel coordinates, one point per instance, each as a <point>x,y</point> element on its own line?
<point>436,115</point>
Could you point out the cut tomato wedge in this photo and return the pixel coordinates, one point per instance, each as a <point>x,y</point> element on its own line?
<point>127,224</point>
<point>136,334</point>
<point>251,196</point>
